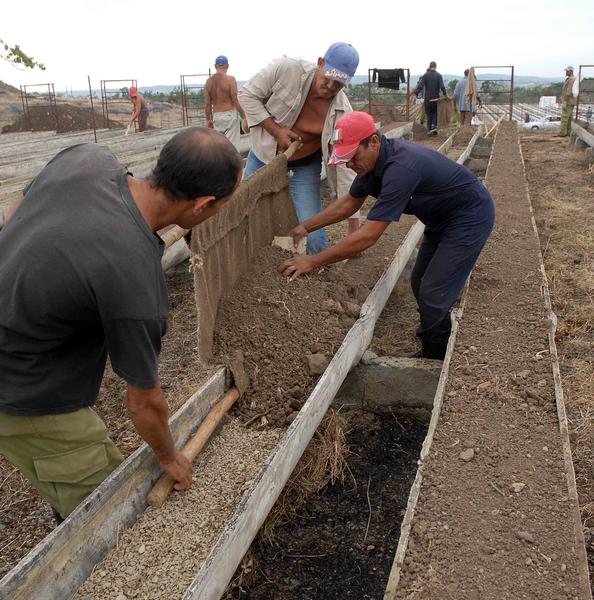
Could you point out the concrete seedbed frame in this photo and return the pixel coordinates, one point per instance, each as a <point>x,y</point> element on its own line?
<point>58,565</point>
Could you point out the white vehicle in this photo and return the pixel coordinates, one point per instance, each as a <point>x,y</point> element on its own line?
<point>543,123</point>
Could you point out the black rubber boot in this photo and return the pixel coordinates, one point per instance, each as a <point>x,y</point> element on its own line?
<point>434,350</point>
<point>57,517</point>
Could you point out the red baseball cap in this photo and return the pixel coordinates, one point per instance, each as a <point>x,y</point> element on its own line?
<point>349,131</point>
<point>132,92</point>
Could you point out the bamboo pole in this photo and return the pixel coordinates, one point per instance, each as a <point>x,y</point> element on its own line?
<point>163,487</point>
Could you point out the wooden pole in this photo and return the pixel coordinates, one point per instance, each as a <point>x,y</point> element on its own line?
<point>163,487</point>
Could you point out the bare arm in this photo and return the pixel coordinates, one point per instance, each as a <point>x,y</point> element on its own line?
<point>137,105</point>
<point>335,212</point>
<point>283,136</point>
<point>148,410</point>
<point>352,245</point>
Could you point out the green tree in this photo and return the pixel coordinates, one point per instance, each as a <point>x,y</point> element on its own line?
<point>452,86</point>
<point>14,55</point>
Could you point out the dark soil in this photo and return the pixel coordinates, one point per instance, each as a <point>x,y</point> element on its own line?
<point>344,543</point>
<point>64,118</point>
<point>473,535</point>
<point>290,321</point>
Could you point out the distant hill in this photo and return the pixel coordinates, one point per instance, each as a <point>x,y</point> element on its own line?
<point>519,81</point>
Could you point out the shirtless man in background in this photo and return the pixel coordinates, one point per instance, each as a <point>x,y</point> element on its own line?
<point>140,109</point>
<point>221,104</point>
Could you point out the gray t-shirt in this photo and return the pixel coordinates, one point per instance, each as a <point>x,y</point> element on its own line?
<point>80,277</point>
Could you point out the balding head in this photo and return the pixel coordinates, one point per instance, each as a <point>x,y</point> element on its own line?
<point>197,162</point>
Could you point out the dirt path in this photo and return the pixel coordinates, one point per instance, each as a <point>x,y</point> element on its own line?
<point>562,192</point>
<point>494,520</point>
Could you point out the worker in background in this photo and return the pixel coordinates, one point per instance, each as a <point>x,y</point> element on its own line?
<point>96,289</point>
<point>140,110</point>
<point>568,96</point>
<point>462,103</point>
<point>409,178</point>
<point>294,99</point>
<point>429,86</point>
<point>221,105</point>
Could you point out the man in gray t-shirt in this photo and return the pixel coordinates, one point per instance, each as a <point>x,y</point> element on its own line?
<point>81,279</point>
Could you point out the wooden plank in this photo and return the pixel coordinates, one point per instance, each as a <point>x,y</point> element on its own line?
<point>260,497</point>
<point>60,563</point>
<point>464,156</point>
<point>584,135</point>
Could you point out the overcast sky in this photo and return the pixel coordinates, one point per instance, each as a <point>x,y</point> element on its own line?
<point>156,42</point>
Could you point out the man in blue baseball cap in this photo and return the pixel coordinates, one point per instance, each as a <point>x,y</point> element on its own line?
<point>294,99</point>
<point>221,104</point>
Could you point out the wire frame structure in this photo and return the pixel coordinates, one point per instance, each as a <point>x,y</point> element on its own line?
<point>388,102</point>
<point>39,105</point>
<point>495,89</point>
<point>113,99</point>
<point>584,105</point>
<point>192,98</point>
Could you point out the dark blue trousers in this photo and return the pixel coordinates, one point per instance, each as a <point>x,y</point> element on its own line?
<point>446,257</point>
<point>431,112</point>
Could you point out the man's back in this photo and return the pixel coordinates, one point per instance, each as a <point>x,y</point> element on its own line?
<point>433,83</point>
<point>79,269</point>
<point>221,88</point>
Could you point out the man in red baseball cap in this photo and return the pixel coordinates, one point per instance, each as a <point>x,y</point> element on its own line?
<point>405,177</point>
<point>140,110</point>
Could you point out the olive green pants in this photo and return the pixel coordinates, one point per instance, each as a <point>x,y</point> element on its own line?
<point>566,117</point>
<point>65,456</point>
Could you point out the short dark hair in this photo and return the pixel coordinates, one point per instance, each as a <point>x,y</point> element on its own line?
<point>366,141</point>
<point>197,162</point>
<point>466,71</point>
<point>432,64</point>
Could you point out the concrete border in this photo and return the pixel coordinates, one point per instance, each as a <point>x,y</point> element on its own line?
<point>582,134</point>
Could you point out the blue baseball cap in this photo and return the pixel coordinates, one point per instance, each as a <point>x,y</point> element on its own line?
<point>221,60</point>
<point>341,61</point>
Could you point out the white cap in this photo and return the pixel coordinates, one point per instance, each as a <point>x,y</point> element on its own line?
<point>569,68</point>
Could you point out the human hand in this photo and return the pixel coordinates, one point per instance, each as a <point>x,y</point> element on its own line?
<point>297,233</point>
<point>296,266</point>
<point>180,469</point>
<point>284,137</point>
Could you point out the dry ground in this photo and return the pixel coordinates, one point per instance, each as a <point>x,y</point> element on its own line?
<point>562,194</point>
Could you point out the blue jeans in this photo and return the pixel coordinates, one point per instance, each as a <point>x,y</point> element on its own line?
<point>305,190</point>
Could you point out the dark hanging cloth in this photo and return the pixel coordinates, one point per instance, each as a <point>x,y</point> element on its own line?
<point>389,78</point>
